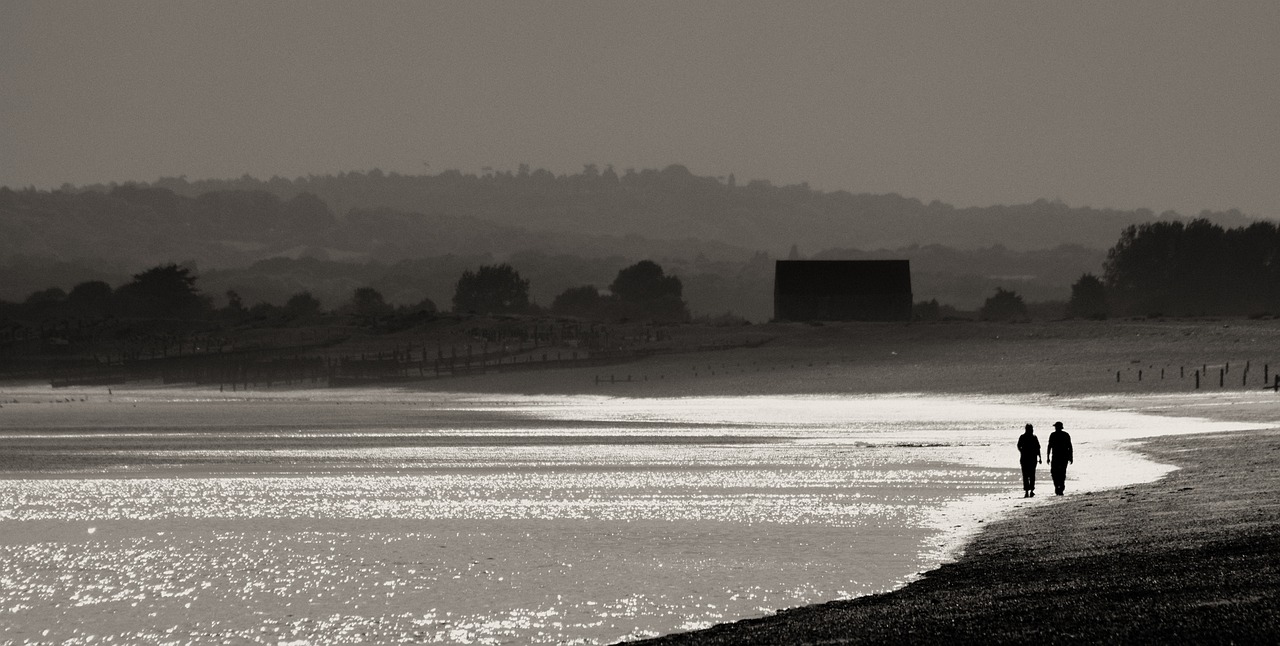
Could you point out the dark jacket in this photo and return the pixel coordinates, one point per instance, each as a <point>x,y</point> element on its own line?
<point>1060,447</point>
<point>1029,447</point>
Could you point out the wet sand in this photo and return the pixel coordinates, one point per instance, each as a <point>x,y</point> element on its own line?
<point>1058,358</point>
<point>1191,558</point>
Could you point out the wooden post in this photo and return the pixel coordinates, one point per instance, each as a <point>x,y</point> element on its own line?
<point>1197,380</point>
<point>1222,377</point>
<point>1139,374</point>
<point>1117,376</point>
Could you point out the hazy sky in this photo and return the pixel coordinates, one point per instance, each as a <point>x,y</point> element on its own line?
<point>1122,104</point>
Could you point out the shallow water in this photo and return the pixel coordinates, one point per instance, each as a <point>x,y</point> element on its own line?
<point>179,516</point>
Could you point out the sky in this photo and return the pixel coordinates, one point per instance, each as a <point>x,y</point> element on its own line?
<point>1159,105</point>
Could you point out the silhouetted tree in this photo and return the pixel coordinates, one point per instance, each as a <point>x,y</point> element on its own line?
<point>368,304</point>
<point>927,311</point>
<point>491,290</point>
<point>647,290</point>
<point>91,298</point>
<point>47,296</point>
<point>235,304</point>
<point>46,304</point>
<point>1088,299</point>
<point>1141,268</point>
<point>1006,305</point>
<point>264,311</point>
<point>1194,269</point>
<point>645,281</point>
<point>424,306</point>
<point>304,304</point>
<point>583,301</point>
<point>166,291</point>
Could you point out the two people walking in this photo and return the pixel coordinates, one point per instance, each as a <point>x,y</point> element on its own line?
<point>1059,454</point>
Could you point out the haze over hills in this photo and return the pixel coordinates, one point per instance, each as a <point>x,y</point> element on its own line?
<point>412,235</point>
<point>673,203</point>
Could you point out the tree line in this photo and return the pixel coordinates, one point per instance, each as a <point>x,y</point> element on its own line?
<point>1194,269</point>
<point>169,292</point>
<point>1171,268</point>
<point>1168,268</point>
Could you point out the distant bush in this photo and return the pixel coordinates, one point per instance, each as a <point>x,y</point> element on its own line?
<point>1005,305</point>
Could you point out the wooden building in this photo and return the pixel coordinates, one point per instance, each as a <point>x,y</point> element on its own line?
<point>842,290</point>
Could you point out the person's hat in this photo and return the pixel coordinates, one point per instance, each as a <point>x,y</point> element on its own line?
<point>1057,424</point>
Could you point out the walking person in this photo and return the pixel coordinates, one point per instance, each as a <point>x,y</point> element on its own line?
<point>1029,451</point>
<point>1059,456</point>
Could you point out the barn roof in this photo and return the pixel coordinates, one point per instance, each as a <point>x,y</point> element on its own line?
<point>816,277</point>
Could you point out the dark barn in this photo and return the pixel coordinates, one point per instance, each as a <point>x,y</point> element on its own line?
<point>842,290</point>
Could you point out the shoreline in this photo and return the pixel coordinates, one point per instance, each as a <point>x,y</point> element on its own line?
<point>971,571</point>
<point>1189,557</point>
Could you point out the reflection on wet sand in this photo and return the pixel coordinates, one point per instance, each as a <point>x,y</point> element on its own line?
<point>424,518</point>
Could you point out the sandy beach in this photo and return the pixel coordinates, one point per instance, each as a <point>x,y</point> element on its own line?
<point>1057,358</point>
<point>1190,557</point>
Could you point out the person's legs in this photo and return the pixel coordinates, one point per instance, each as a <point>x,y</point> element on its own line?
<point>1029,479</point>
<point>1059,473</point>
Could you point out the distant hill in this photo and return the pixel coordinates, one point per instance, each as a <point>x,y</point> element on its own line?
<point>672,203</point>
<point>412,235</point>
<point>135,225</point>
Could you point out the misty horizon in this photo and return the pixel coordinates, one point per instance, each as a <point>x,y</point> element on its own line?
<point>481,173</point>
<point>1129,106</point>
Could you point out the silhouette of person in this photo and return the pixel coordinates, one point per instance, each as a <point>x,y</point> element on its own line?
<point>1029,449</point>
<point>1059,456</point>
